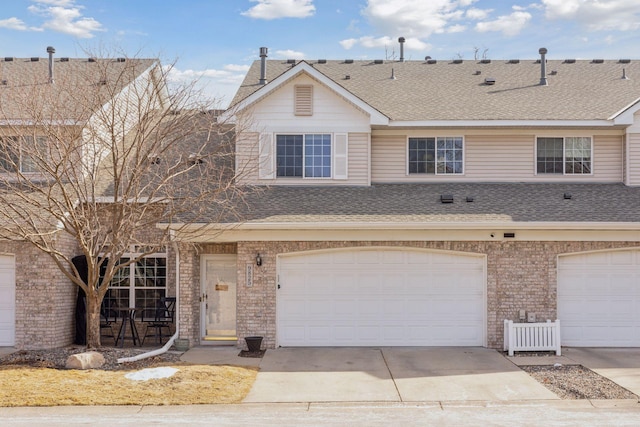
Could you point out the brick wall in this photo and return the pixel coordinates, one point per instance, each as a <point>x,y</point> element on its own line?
<point>45,297</point>
<point>520,275</point>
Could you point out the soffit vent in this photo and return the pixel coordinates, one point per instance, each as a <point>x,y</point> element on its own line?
<point>509,235</point>
<point>446,198</point>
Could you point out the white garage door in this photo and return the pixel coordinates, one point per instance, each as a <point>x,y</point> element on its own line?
<point>7,301</point>
<point>599,299</point>
<point>381,297</point>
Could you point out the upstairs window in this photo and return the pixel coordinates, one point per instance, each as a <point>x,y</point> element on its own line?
<point>14,153</point>
<point>568,155</point>
<point>303,156</point>
<point>438,155</point>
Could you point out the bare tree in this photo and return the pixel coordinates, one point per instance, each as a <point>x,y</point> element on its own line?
<point>99,153</point>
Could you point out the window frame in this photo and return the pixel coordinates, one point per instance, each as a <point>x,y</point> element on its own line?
<point>304,167</point>
<point>564,156</point>
<point>130,276</point>
<point>20,151</point>
<point>437,161</point>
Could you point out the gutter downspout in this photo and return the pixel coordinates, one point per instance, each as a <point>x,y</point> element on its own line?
<point>169,343</point>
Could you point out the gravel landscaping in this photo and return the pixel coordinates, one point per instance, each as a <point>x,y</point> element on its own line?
<point>57,358</point>
<point>577,382</point>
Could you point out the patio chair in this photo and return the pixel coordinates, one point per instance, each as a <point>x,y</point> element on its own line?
<point>161,320</point>
<point>108,317</point>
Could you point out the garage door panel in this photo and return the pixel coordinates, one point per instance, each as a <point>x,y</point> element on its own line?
<point>381,297</point>
<point>599,299</point>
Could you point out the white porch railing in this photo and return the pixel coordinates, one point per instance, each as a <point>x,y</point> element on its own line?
<point>532,336</point>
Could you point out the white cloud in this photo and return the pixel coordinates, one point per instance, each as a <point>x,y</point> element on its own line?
<point>65,16</point>
<point>215,86</point>
<point>478,14</point>
<point>274,9</point>
<point>416,18</point>
<point>13,24</point>
<point>509,25</point>
<point>411,43</point>
<point>289,54</point>
<point>596,15</point>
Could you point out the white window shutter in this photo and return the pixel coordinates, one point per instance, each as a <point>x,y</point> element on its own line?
<point>340,149</point>
<point>266,168</point>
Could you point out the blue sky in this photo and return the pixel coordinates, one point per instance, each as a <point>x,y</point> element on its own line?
<point>216,40</point>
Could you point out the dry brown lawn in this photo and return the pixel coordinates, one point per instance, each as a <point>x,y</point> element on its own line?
<point>193,384</point>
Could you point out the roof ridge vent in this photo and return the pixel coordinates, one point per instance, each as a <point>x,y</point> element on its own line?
<point>513,61</point>
<point>8,59</point>
<point>569,61</point>
<point>485,61</point>
<point>121,59</point>
<point>291,61</point>
<point>348,61</point>
<point>91,59</point>
<point>432,61</point>
<point>597,61</point>
<point>378,61</point>
<point>322,61</point>
<point>624,61</point>
<point>35,59</point>
<point>457,61</point>
<point>64,59</point>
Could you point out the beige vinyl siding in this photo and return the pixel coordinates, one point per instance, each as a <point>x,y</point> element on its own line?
<point>247,157</point>
<point>500,158</point>
<point>495,158</point>
<point>633,159</point>
<point>358,159</point>
<point>331,113</point>
<point>388,158</point>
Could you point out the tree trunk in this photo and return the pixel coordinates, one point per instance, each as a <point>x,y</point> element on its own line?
<point>93,320</point>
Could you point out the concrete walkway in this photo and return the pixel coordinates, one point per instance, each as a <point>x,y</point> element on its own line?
<point>392,375</point>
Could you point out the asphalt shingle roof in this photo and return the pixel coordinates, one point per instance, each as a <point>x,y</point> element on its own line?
<point>420,203</point>
<point>582,90</point>
<point>81,85</point>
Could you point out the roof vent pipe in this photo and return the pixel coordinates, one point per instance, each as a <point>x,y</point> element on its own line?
<point>50,51</point>
<point>263,65</point>
<point>401,40</point>
<point>624,74</point>
<point>543,67</point>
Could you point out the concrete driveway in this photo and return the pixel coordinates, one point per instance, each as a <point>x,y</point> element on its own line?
<point>392,375</point>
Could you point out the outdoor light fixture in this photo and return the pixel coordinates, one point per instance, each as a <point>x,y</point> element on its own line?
<point>258,260</point>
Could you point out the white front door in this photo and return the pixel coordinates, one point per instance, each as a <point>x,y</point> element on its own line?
<point>7,301</point>
<point>218,297</point>
<point>381,297</point>
<point>599,299</point>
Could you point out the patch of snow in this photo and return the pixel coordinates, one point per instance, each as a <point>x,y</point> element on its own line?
<point>151,374</point>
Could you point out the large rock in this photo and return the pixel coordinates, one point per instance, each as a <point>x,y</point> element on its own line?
<point>87,360</point>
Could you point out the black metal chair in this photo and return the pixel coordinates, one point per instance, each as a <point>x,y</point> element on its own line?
<point>161,319</point>
<point>108,317</point>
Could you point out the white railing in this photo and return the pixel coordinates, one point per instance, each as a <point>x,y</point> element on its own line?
<point>532,336</point>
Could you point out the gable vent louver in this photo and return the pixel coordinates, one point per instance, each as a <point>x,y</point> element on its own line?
<point>303,100</point>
